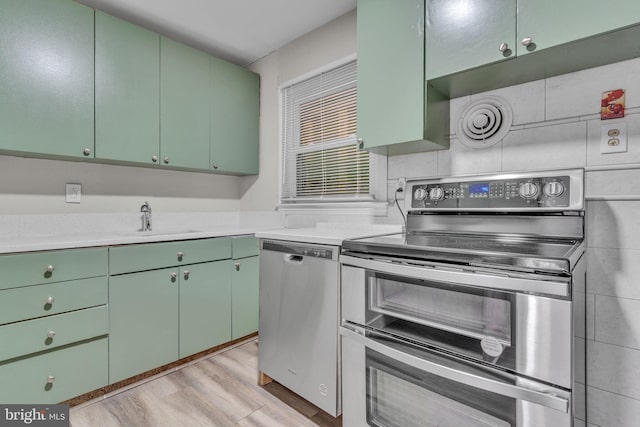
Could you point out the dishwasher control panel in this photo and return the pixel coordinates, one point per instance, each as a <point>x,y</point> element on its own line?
<point>300,249</point>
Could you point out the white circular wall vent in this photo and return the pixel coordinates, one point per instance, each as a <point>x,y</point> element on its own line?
<point>484,122</point>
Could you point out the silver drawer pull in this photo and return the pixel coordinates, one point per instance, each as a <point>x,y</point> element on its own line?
<point>50,268</point>
<point>50,300</point>
<point>50,379</point>
<point>180,256</point>
<point>237,264</point>
<point>51,334</point>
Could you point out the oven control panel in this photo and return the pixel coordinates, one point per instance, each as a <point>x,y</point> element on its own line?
<point>526,191</point>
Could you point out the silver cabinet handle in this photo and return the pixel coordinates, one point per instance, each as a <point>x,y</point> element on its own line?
<point>86,151</point>
<point>237,265</point>
<point>360,143</point>
<point>50,379</point>
<point>166,160</point>
<point>50,268</point>
<point>154,158</point>
<point>173,275</point>
<point>180,255</point>
<point>186,274</point>
<point>503,47</point>
<point>527,41</point>
<point>51,334</point>
<point>505,389</point>
<point>461,278</point>
<point>50,300</point>
<point>215,165</point>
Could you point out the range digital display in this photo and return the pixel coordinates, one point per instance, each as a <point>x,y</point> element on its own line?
<point>479,188</point>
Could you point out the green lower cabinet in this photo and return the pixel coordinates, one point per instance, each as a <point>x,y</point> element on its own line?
<point>244,297</point>
<point>55,376</point>
<point>143,321</point>
<point>205,306</point>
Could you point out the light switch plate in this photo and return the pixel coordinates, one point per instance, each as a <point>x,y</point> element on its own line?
<point>613,137</point>
<point>73,193</point>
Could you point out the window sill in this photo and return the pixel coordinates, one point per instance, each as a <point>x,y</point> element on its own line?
<point>335,208</point>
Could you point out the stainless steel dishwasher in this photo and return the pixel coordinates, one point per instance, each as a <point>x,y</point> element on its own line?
<point>299,310</point>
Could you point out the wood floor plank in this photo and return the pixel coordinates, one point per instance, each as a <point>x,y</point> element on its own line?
<point>220,390</point>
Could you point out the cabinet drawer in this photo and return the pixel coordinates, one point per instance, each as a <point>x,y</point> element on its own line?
<point>244,246</point>
<point>127,259</point>
<point>31,268</point>
<point>54,298</point>
<point>32,336</point>
<point>75,370</point>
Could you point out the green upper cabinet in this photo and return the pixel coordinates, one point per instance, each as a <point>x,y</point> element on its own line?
<point>397,111</point>
<point>127,91</point>
<point>549,23</point>
<point>46,77</point>
<point>185,75</point>
<point>465,34</point>
<point>235,113</point>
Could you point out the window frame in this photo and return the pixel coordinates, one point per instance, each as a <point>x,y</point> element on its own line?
<point>375,203</point>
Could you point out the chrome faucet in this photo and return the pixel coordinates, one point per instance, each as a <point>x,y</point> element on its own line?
<point>146,216</point>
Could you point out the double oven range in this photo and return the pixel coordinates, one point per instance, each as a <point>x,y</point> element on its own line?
<point>475,315</point>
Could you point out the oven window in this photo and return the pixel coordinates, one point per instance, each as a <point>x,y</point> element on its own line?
<point>472,321</point>
<point>402,396</point>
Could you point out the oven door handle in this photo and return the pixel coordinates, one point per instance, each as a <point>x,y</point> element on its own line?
<point>540,397</point>
<point>478,280</point>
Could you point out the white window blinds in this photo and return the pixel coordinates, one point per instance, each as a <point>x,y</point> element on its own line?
<point>321,160</point>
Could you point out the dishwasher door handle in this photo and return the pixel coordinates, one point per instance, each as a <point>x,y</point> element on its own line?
<point>293,259</point>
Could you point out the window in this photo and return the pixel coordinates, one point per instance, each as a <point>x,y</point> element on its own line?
<point>321,161</point>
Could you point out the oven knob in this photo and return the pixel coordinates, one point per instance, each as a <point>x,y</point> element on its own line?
<point>436,193</point>
<point>528,190</point>
<point>553,189</point>
<point>420,194</point>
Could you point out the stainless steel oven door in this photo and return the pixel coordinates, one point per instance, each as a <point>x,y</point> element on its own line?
<point>386,383</point>
<point>495,319</point>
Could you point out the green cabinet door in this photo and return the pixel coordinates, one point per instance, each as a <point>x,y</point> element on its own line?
<point>185,75</point>
<point>127,91</point>
<point>244,297</point>
<point>143,322</point>
<point>460,35</point>
<point>549,23</point>
<point>391,73</point>
<point>205,306</point>
<point>46,77</point>
<point>235,105</point>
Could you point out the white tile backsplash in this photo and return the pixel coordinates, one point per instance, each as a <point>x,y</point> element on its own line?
<point>617,321</point>
<point>611,410</point>
<point>413,165</point>
<point>614,272</point>
<point>614,368</point>
<point>613,224</point>
<point>590,332</point>
<point>578,94</point>
<point>548,147</point>
<point>613,182</point>
<point>462,160</point>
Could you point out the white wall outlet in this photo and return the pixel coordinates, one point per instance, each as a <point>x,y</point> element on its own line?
<point>613,138</point>
<point>401,183</point>
<point>73,193</point>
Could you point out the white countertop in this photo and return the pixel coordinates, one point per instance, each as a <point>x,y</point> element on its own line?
<point>328,233</point>
<point>50,232</point>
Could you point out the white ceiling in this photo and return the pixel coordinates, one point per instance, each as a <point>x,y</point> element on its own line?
<point>240,31</point>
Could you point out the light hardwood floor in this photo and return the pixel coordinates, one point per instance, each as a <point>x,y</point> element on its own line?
<point>220,390</point>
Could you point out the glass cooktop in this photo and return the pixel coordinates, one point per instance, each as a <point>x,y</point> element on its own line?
<point>519,252</point>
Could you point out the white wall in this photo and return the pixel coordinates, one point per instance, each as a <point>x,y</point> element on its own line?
<point>557,125</point>
<point>330,43</point>
<point>37,186</point>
